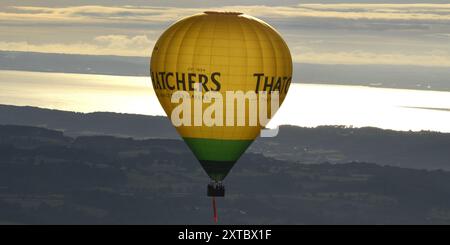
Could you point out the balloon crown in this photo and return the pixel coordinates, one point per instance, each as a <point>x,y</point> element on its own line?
<point>222,13</point>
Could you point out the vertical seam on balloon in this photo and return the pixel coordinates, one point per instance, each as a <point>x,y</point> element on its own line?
<point>178,54</point>
<point>274,59</point>
<point>211,47</point>
<point>228,64</point>
<point>250,21</point>
<point>193,60</point>
<point>181,44</point>
<point>284,59</point>
<point>169,44</point>
<point>222,142</point>
<point>179,48</point>
<point>286,55</point>
<point>273,48</point>
<point>246,53</point>
<point>165,57</point>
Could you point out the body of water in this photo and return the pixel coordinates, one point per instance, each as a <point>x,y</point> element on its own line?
<point>306,104</point>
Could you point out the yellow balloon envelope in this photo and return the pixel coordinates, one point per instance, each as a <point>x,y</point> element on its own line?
<point>220,51</point>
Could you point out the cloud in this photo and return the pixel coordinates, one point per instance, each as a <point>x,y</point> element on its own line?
<point>141,46</point>
<point>101,45</point>
<point>95,14</point>
<point>370,58</point>
<point>433,12</point>
<point>122,42</point>
<point>416,20</point>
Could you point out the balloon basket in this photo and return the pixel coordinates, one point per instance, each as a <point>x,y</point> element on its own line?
<point>216,189</point>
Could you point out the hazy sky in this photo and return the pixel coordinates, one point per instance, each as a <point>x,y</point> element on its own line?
<point>318,32</point>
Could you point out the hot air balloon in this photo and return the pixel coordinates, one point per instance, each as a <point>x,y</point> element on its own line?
<point>220,52</point>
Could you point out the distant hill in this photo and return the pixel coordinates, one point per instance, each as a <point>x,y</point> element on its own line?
<point>390,76</point>
<point>73,63</point>
<point>98,123</point>
<point>334,144</point>
<point>337,144</point>
<point>109,180</point>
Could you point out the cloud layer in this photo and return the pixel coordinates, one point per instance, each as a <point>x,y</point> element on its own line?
<point>411,34</point>
<point>101,45</point>
<point>430,12</point>
<point>141,46</point>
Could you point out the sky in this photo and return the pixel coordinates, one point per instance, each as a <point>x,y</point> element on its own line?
<point>404,32</point>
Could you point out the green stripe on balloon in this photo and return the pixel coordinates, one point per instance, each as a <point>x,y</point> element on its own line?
<point>217,156</point>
